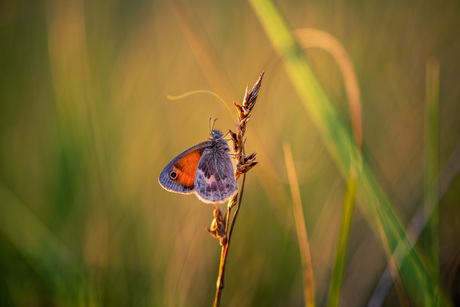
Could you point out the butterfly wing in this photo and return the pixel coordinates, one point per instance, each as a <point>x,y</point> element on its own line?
<point>179,175</point>
<point>214,179</point>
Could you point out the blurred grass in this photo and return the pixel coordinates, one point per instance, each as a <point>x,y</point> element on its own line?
<point>85,129</point>
<point>431,185</point>
<point>344,150</point>
<point>302,236</point>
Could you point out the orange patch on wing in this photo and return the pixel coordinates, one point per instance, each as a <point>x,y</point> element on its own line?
<point>186,168</point>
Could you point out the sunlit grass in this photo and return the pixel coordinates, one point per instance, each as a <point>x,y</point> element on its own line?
<point>86,127</point>
<point>342,147</point>
<point>302,236</point>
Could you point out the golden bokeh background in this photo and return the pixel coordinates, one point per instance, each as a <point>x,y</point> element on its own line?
<point>86,127</point>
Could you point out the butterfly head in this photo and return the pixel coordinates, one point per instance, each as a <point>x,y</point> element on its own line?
<point>216,135</point>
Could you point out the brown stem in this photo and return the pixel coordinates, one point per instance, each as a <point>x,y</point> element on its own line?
<point>220,278</point>
<point>237,208</point>
<point>225,247</point>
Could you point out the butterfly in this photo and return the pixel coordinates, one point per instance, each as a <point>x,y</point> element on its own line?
<point>205,169</point>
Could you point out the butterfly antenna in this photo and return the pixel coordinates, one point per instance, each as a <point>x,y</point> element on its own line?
<point>214,122</point>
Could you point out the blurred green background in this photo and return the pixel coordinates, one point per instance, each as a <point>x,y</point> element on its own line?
<point>86,128</point>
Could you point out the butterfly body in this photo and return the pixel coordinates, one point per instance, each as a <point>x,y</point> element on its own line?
<point>205,169</point>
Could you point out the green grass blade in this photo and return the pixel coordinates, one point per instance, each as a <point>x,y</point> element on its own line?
<point>302,236</point>
<point>342,148</point>
<point>344,233</point>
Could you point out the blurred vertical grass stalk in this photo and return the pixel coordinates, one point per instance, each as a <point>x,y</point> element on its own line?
<point>39,243</point>
<point>312,38</point>
<point>432,166</point>
<point>348,207</point>
<point>75,99</point>
<point>302,236</point>
<point>78,150</point>
<point>338,140</point>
